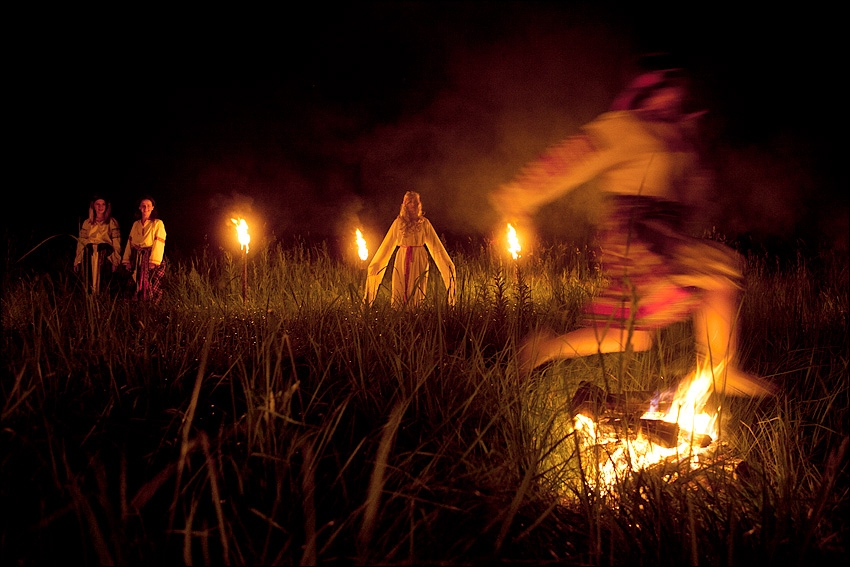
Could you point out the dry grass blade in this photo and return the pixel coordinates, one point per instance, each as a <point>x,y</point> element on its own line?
<point>16,396</point>
<point>215,495</point>
<point>308,487</point>
<point>84,509</point>
<point>186,443</point>
<point>376,482</point>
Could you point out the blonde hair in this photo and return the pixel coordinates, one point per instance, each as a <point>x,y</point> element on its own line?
<point>409,222</point>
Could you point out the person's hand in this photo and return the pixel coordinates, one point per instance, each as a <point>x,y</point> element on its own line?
<point>152,265</point>
<point>114,268</point>
<point>76,268</point>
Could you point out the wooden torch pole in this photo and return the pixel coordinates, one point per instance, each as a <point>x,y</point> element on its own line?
<point>244,275</point>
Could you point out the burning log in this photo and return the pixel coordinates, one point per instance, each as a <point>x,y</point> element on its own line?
<point>660,432</point>
<point>666,433</point>
<point>595,402</point>
<point>641,411</point>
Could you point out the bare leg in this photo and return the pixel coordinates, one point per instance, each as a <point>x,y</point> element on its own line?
<point>714,327</point>
<point>546,345</point>
<point>716,334</point>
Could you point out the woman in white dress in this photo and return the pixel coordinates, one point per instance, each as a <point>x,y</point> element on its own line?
<point>415,238</point>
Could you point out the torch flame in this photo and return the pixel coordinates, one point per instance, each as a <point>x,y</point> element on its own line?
<point>362,251</point>
<point>513,242</point>
<point>242,233</point>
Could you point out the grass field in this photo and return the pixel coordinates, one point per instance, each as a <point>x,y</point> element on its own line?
<point>298,427</point>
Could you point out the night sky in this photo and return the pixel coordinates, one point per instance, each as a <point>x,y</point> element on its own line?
<point>315,121</point>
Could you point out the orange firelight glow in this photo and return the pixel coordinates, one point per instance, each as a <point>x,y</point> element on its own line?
<point>688,410</point>
<point>513,242</point>
<point>688,405</point>
<point>242,233</point>
<point>362,251</point>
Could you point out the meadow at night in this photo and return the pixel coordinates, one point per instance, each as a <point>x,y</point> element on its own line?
<point>259,413</point>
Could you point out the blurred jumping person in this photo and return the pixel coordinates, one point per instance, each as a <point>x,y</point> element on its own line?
<point>642,157</point>
<point>144,254</point>
<point>98,246</point>
<point>414,237</point>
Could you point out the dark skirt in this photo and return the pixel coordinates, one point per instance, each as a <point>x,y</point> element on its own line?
<point>96,269</point>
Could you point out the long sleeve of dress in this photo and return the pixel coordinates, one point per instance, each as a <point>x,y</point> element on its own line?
<point>375,270</point>
<point>158,250</point>
<point>624,153</point>
<point>441,259</point>
<point>82,240</point>
<point>558,170</point>
<point>115,237</point>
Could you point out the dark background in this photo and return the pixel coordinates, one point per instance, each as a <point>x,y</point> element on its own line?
<point>313,121</point>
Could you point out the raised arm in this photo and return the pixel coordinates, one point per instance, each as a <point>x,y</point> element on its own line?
<point>557,171</point>
<point>442,259</point>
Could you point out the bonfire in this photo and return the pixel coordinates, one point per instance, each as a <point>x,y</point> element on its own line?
<point>634,431</point>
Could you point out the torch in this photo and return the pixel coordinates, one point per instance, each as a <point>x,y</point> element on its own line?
<point>513,242</point>
<point>523,291</point>
<point>514,248</point>
<point>362,251</point>
<point>244,240</point>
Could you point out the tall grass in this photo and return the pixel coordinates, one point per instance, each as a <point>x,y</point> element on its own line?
<point>300,427</point>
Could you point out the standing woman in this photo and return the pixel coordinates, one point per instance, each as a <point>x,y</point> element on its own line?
<point>99,240</point>
<point>414,237</point>
<point>145,250</point>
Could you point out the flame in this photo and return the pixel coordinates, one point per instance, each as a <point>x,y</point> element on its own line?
<point>242,233</point>
<point>687,411</point>
<point>513,242</point>
<point>362,251</point>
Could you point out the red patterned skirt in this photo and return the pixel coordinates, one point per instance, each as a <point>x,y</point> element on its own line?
<point>148,280</point>
<point>657,274</point>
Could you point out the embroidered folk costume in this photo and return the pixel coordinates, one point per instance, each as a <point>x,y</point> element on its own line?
<point>656,269</point>
<point>98,246</point>
<point>144,257</point>
<point>641,157</point>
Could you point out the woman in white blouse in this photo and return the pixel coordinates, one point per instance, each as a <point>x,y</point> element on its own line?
<point>99,240</point>
<point>144,254</point>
